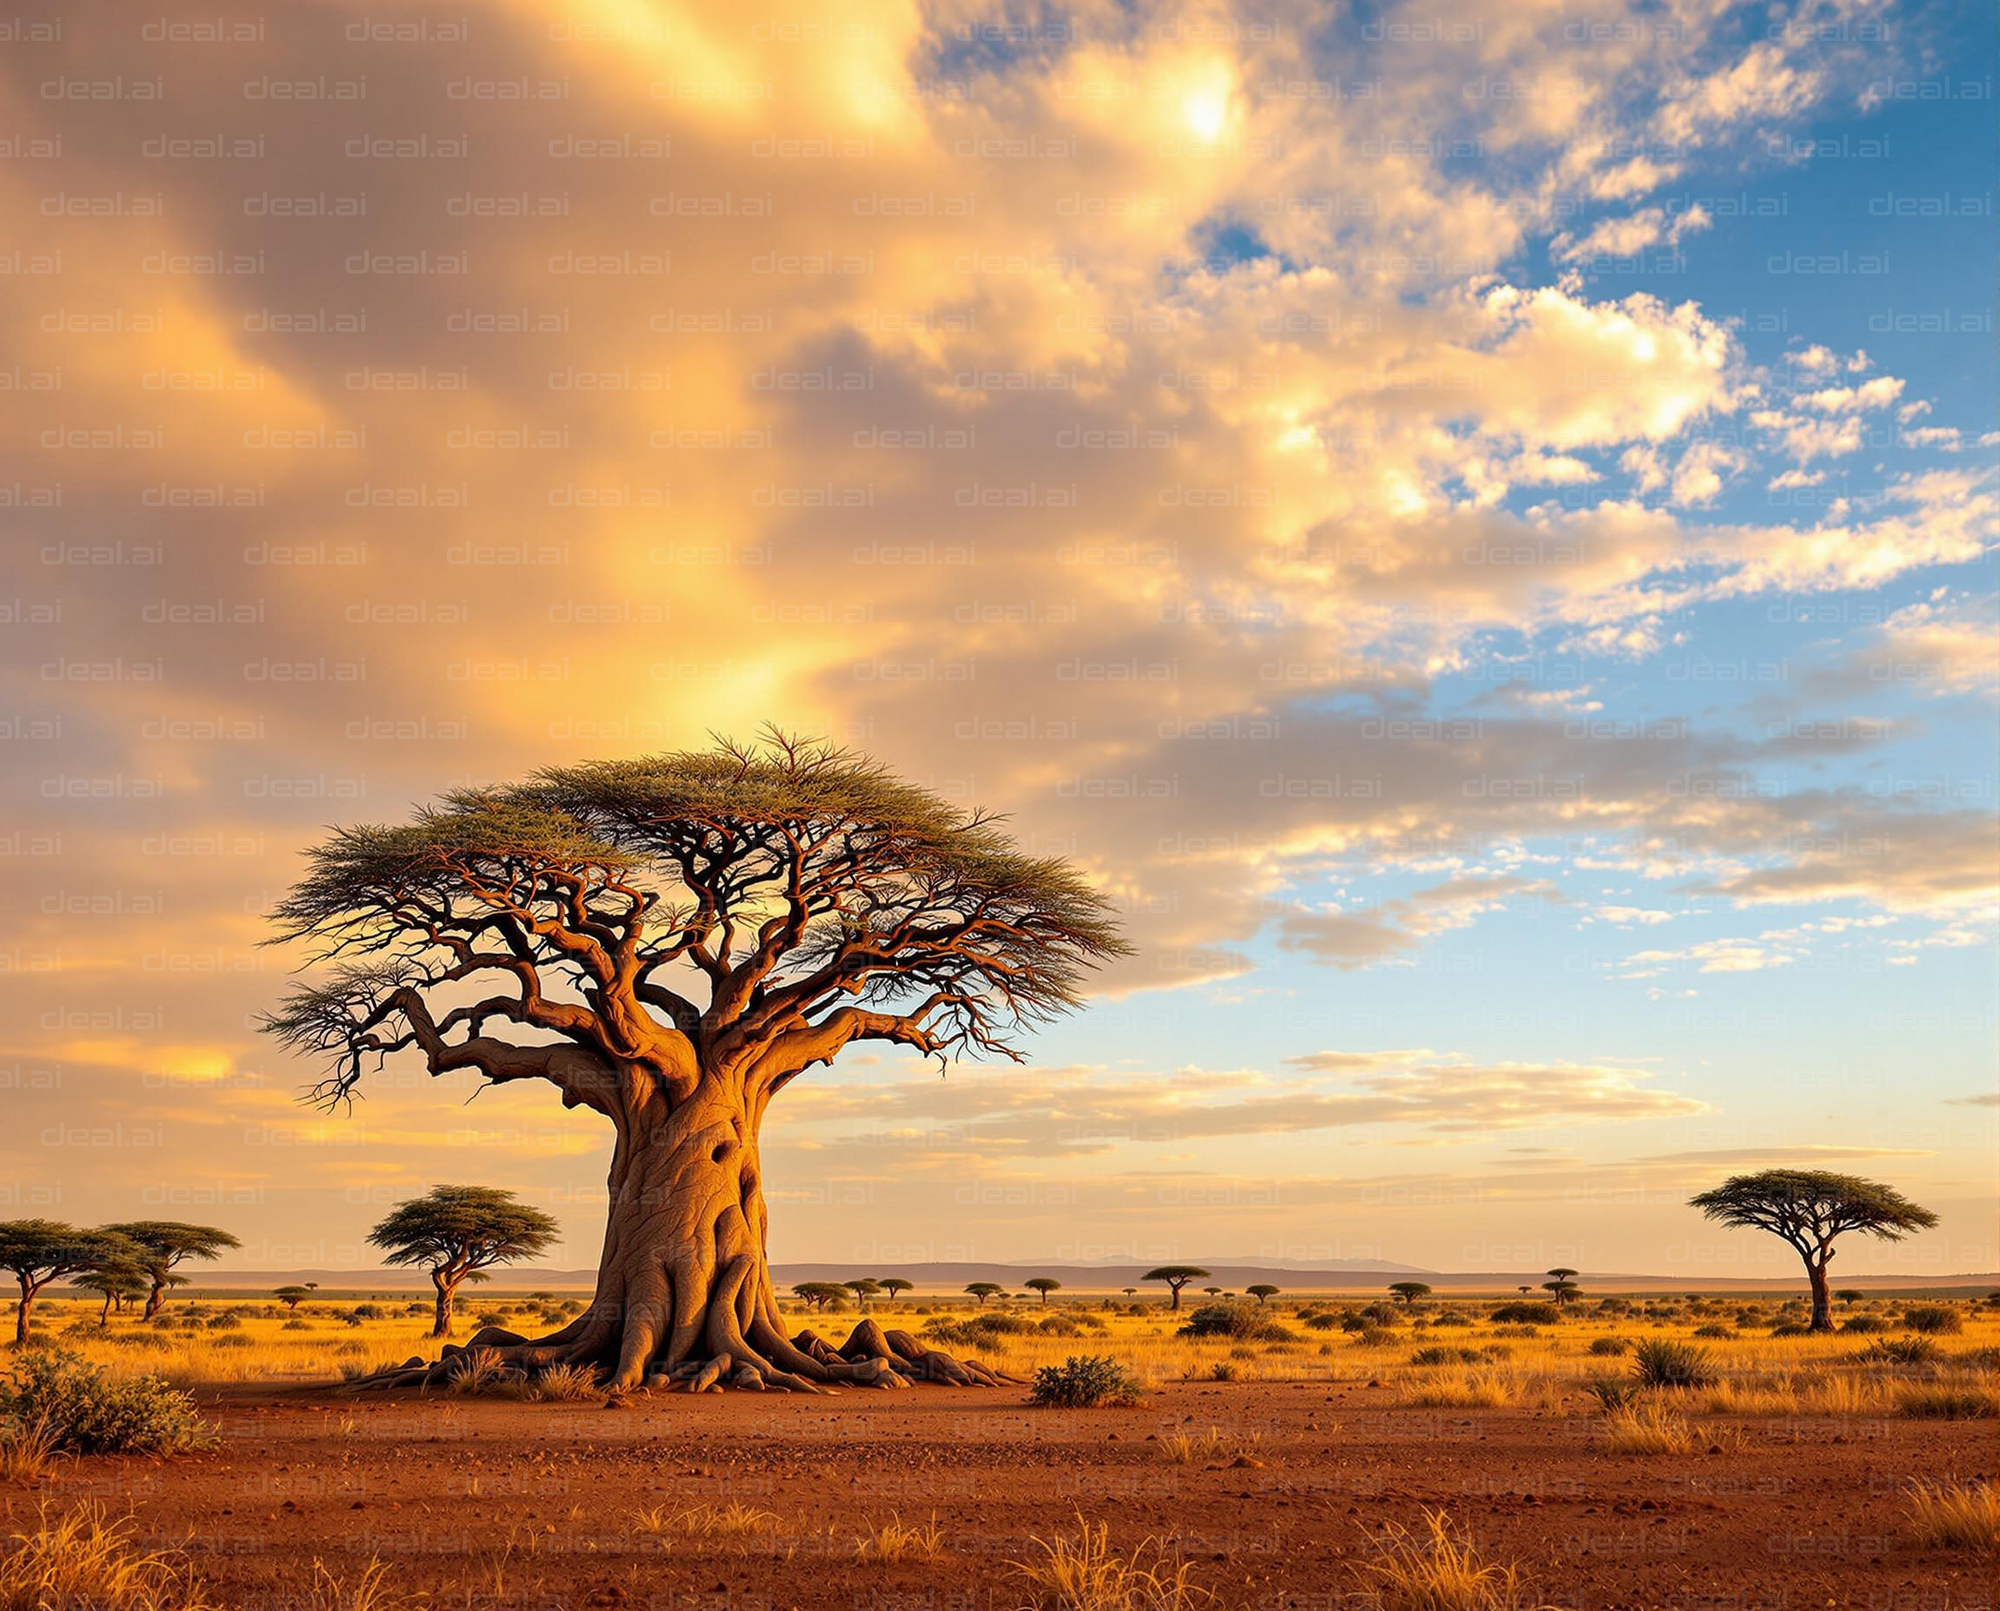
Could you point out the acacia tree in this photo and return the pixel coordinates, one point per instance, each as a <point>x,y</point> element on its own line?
<point>1043,1284</point>
<point>1409,1291</point>
<point>38,1251</point>
<point>164,1243</point>
<point>982,1290</point>
<point>895,1286</point>
<point>1810,1208</point>
<point>458,1233</point>
<point>819,1294</point>
<point>292,1297</point>
<point>1263,1291</point>
<point>117,1285</point>
<point>1176,1276</point>
<point>671,942</point>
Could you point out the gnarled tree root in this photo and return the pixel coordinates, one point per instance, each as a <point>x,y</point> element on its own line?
<point>766,1360</point>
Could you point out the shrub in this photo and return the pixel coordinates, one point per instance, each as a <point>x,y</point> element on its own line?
<point>1899,1351</point>
<point>1602,1346</point>
<point>1438,1354</point>
<point>1525,1314</point>
<point>87,1411</point>
<point>1236,1320</point>
<point>1222,1371</point>
<point>369,1311</point>
<point>296,1325</point>
<point>1715,1329</point>
<point>1864,1325</point>
<point>1941,1401</point>
<point>1790,1328</point>
<point>1663,1362</point>
<point>1451,1317</point>
<point>1374,1336</point>
<point>1648,1428</point>
<point>1322,1322</point>
<point>1933,1319</point>
<point>1611,1394</point>
<point>1083,1382</point>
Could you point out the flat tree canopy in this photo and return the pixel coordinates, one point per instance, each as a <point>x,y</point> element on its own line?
<point>459,1233</point>
<point>670,942</point>
<point>164,1243</point>
<point>1809,1209</point>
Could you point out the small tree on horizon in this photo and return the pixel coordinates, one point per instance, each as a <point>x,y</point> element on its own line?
<point>1810,1209</point>
<point>1044,1284</point>
<point>982,1290</point>
<point>38,1251</point>
<point>1409,1291</point>
<point>292,1297</point>
<point>1263,1291</point>
<point>820,1294</point>
<point>1176,1276</point>
<point>164,1243</point>
<point>863,1287</point>
<point>1561,1286</point>
<point>457,1233</point>
<point>894,1285</point>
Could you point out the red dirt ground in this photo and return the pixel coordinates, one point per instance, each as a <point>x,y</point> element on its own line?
<point>528,1507</point>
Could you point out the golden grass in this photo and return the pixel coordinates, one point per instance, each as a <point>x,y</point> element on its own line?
<point>1194,1449</point>
<point>563,1383</point>
<point>27,1450</point>
<point>1816,1393</point>
<point>1947,1401</point>
<point>370,1590</point>
<point>1438,1569</point>
<point>734,1520</point>
<point>1466,1389</point>
<point>898,1540</point>
<point>1956,1515</point>
<point>1649,1427</point>
<point>86,1561</point>
<point>1083,1571</point>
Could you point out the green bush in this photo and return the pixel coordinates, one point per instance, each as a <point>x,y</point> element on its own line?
<point>1451,1317</point>
<point>1525,1314</point>
<point>1863,1325</point>
<point>1715,1329</point>
<point>1790,1328</point>
<point>1236,1320</point>
<point>1610,1345</point>
<point>1438,1354</point>
<point>1083,1382</point>
<point>1322,1322</point>
<point>1663,1362</point>
<point>1933,1319</point>
<point>88,1411</point>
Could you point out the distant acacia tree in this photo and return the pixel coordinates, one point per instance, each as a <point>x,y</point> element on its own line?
<point>1810,1209</point>
<point>38,1251</point>
<point>1044,1284</point>
<point>1561,1286</point>
<point>1409,1291</point>
<point>820,1294</point>
<point>1263,1291</point>
<point>292,1297</point>
<point>458,1233</point>
<point>118,1285</point>
<point>894,1285</point>
<point>863,1288</point>
<point>982,1290</point>
<point>670,942</point>
<point>1176,1276</point>
<point>1128,1291</point>
<point>1850,1295</point>
<point>164,1243</point>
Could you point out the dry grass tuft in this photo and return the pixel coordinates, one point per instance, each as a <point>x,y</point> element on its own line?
<point>1473,1389</point>
<point>1956,1515</point>
<point>370,1591</point>
<point>734,1520</point>
<point>83,1561</point>
<point>1083,1572</point>
<point>28,1449</point>
<point>1649,1427</point>
<point>898,1540</point>
<point>563,1383</point>
<point>1437,1569</point>
<point>1194,1449</point>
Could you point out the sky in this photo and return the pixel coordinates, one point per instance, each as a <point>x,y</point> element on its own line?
<point>1472,524</point>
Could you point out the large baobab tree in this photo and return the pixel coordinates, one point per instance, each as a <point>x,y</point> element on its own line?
<point>671,942</point>
<point>1809,1208</point>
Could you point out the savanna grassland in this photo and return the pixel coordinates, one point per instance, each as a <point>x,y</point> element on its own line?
<point>1309,1452</point>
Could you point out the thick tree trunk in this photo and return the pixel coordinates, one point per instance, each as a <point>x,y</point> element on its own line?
<point>684,1294</point>
<point>28,1290</point>
<point>155,1300</point>
<point>441,1313</point>
<point>1822,1303</point>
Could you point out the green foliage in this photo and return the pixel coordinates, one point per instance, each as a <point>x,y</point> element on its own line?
<point>1234,1320</point>
<point>1665,1362</point>
<point>1899,1351</point>
<point>1083,1382</point>
<point>1525,1314</point>
<point>460,1230</point>
<point>1933,1319</point>
<point>90,1411</point>
<point>1612,1394</point>
<point>1609,1345</point>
